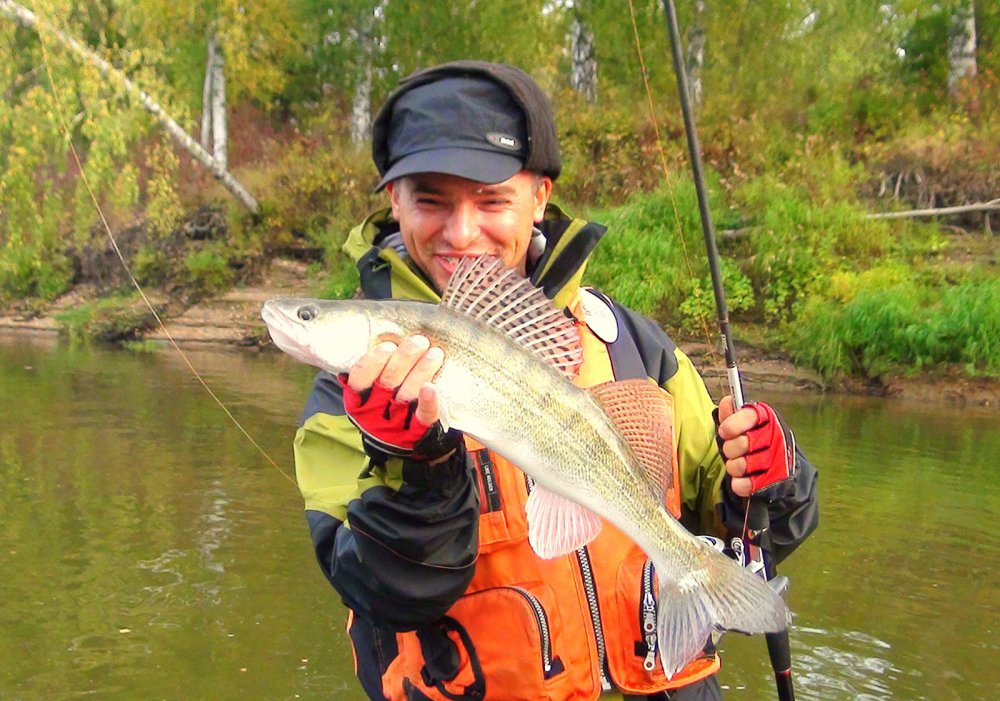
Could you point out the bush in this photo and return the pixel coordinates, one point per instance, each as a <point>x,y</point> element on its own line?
<point>207,271</point>
<point>889,323</point>
<point>28,272</point>
<point>653,256</point>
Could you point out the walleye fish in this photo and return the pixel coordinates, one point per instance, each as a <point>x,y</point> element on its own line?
<point>605,450</point>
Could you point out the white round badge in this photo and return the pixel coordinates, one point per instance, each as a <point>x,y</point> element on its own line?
<point>599,317</point>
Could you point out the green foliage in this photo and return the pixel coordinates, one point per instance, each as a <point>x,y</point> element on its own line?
<point>607,156</point>
<point>28,272</point>
<point>340,281</point>
<point>799,234</point>
<point>315,186</point>
<point>652,252</point>
<point>698,302</point>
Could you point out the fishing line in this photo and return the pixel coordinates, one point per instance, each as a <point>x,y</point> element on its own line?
<point>57,115</point>
<point>712,352</point>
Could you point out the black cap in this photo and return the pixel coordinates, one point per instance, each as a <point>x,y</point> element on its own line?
<point>477,120</point>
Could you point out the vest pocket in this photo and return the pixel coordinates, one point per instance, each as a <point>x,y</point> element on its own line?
<point>500,643</point>
<point>633,647</point>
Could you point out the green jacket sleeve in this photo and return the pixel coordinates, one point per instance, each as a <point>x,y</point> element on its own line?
<point>396,538</point>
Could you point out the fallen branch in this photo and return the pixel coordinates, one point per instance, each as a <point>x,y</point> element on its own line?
<point>28,18</point>
<point>991,206</point>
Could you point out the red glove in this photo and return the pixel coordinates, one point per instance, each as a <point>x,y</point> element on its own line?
<point>770,455</point>
<point>391,426</point>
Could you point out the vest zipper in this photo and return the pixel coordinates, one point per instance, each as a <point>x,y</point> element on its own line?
<point>595,615</point>
<point>543,628</point>
<point>647,617</point>
<point>587,575</point>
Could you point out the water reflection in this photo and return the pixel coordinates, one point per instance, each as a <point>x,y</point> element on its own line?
<point>150,551</point>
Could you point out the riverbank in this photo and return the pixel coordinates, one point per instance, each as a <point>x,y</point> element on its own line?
<point>233,319</point>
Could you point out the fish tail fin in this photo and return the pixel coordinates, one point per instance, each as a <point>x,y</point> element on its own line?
<point>726,597</point>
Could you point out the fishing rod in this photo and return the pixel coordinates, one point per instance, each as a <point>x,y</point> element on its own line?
<point>778,647</point>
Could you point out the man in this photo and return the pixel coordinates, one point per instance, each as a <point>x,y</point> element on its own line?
<point>421,531</point>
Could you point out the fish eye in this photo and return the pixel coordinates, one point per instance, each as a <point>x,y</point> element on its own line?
<point>307,313</point>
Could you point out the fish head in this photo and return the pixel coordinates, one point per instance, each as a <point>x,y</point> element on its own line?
<point>330,334</point>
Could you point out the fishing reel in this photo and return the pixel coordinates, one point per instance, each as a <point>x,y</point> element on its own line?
<point>745,553</point>
<point>749,556</point>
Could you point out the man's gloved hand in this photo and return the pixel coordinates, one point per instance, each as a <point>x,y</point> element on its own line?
<point>390,397</point>
<point>758,450</point>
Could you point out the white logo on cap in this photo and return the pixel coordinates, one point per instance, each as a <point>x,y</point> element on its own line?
<point>503,141</point>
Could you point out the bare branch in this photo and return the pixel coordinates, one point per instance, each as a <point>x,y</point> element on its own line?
<point>991,206</point>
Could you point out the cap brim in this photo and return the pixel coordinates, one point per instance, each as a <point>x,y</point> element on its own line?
<point>472,164</point>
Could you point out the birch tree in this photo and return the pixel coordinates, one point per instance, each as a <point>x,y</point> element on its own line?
<point>214,134</point>
<point>695,58</point>
<point>367,36</point>
<point>961,46</point>
<point>583,71</point>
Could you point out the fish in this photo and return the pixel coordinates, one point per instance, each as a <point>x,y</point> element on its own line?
<point>592,453</point>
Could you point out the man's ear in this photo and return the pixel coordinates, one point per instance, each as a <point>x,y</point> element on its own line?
<point>393,199</point>
<point>542,194</point>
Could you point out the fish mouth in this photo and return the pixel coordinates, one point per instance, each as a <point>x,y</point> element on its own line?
<point>286,332</point>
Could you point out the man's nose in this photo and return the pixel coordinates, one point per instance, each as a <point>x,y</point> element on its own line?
<point>462,227</point>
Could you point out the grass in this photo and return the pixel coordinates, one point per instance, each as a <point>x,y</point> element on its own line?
<point>112,319</point>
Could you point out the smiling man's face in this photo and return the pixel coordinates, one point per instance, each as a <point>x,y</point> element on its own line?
<point>443,218</point>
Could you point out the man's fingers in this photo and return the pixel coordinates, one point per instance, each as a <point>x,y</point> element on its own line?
<point>741,486</point>
<point>725,408</point>
<point>736,467</point>
<point>366,371</point>
<point>422,372</point>
<point>736,424</point>
<point>410,350</point>
<point>735,447</point>
<point>427,405</point>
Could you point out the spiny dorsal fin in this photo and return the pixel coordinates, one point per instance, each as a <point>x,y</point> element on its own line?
<point>486,289</point>
<point>642,412</point>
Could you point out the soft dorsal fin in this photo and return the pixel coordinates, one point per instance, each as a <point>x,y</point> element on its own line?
<point>642,412</point>
<point>486,289</point>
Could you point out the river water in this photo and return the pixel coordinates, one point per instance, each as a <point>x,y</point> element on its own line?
<point>151,551</point>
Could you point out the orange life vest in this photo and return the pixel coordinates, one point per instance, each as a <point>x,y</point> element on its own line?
<point>528,629</point>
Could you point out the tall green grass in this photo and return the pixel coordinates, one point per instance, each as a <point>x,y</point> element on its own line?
<point>653,257</point>
<point>901,325</point>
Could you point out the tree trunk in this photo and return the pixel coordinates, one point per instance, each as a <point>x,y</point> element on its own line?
<point>961,46</point>
<point>583,74</point>
<point>28,19</point>
<point>696,55</point>
<point>361,107</point>
<point>206,96</point>
<point>220,135</point>
<point>367,36</point>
